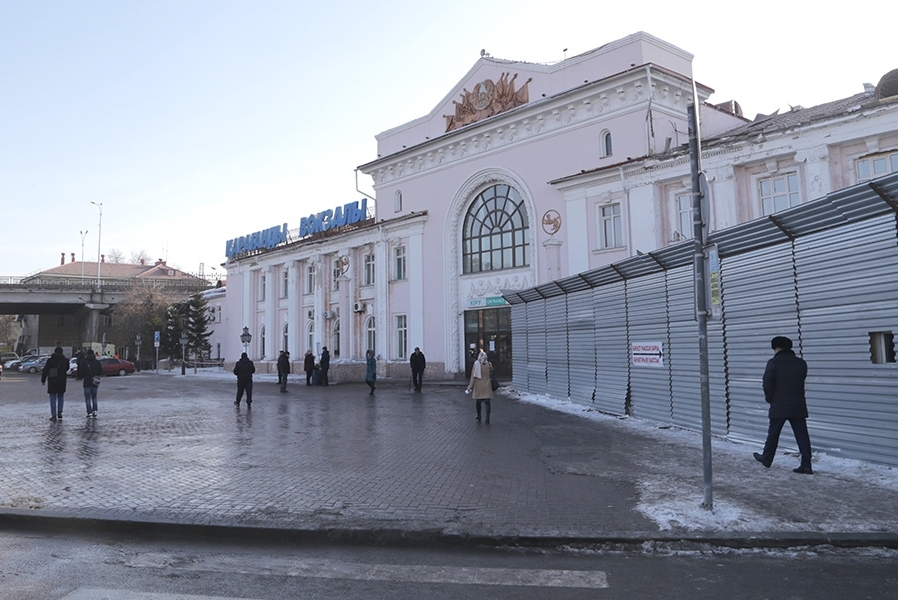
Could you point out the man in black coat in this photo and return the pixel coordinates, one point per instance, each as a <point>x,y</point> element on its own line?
<point>325,364</point>
<point>55,376</point>
<point>784,390</point>
<point>244,370</point>
<point>418,364</point>
<point>283,370</point>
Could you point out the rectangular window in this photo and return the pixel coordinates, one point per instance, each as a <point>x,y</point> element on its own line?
<point>371,333</point>
<point>610,226</point>
<point>261,287</point>
<point>684,217</point>
<point>285,283</point>
<point>779,193</point>
<point>399,262</point>
<point>310,279</point>
<point>876,166</point>
<point>369,269</point>
<point>882,347</point>
<point>338,270</point>
<point>401,336</point>
<point>60,320</point>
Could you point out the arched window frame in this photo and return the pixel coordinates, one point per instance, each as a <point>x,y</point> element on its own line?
<point>371,334</point>
<point>495,231</point>
<point>310,333</point>
<point>286,337</point>
<point>262,342</point>
<point>335,338</point>
<point>605,146</point>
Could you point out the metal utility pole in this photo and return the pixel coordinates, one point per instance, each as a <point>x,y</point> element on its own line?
<point>701,296</point>
<point>99,239</point>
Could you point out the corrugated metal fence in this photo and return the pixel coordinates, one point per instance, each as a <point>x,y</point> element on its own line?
<point>824,273</point>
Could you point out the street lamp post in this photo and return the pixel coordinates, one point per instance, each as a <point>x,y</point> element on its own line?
<point>183,353</point>
<point>137,343</point>
<point>245,338</point>
<point>83,233</point>
<point>99,239</point>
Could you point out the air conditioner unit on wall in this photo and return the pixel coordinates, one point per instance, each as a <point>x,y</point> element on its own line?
<point>358,307</point>
<point>329,314</point>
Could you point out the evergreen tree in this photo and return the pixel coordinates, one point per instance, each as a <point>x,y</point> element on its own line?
<point>198,333</point>
<point>175,324</point>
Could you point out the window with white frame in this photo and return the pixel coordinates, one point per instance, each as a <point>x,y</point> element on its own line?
<point>496,231</point>
<point>370,334</point>
<point>397,206</point>
<point>605,141</point>
<point>310,335</point>
<point>369,269</point>
<point>262,342</point>
<point>335,339</point>
<point>399,262</point>
<point>610,228</point>
<point>261,287</point>
<point>338,270</point>
<point>683,208</point>
<point>401,336</point>
<point>285,283</point>
<point>871,167</point>
<point>218,313</point>
<point>779,193</point>
<point>310,279</point>
<point>286,337</point>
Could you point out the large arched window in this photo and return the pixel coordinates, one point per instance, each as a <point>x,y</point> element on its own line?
<point>286,337</point>
<point>262,342</point>
<point>496,231</point>
<point>310,333</point>
<point>335,340</point>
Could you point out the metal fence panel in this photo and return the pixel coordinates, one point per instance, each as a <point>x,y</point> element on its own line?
<point>536,346</point>
<point>557,345</point>
<point>612,369</point>
<point>848,289</point>
<point>582,339</point>
<point>647,323</point>
<point>758,294</point>
<point>519,358</point>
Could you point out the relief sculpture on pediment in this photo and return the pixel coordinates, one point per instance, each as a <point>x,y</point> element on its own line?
<point>488,98</point>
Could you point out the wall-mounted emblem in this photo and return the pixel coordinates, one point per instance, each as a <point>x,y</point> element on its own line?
<point>551,222</point>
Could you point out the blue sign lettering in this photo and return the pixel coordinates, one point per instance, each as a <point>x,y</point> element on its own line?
<point>268,238</point>
<point>342,215</point>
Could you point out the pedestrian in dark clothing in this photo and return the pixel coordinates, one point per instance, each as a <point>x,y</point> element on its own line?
<point>324,364</point>
<point>54,375</point>
<point>480,384</point>
<point>370,370</point>
<point>280,373</point>
<point>244,370</point>
<point>89,371</point>
<point>783,382</point>
<point>308,365</point>
<point>418,364</point>
<point>283,369</point>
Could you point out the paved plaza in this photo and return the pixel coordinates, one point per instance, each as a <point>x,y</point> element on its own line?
<point>173,451</point>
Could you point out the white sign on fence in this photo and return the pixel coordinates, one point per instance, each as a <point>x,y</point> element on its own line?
<point>648,354</point>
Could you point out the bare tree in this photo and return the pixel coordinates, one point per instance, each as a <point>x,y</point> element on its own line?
<point>143,311</point>
<point>139,257</point>
<point>115,256</point>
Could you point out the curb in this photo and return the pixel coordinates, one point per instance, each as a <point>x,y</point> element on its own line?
<point>59,522</point>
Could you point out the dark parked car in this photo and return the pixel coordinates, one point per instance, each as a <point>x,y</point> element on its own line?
<point>116,366</point>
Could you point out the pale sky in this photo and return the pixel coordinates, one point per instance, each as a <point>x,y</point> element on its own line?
<point>197,121</point>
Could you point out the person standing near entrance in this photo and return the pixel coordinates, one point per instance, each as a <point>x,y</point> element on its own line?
<point>370,370</point>
<point>418,364</point>
<point>283,369</point>
<point>244,370</point>
<point>89,371</point>
<point>280,372</point>
<point>308,365</point>
<point>325,364</point>
<point>54,375</point>
<point>481,374</point>
<point>783,384</point>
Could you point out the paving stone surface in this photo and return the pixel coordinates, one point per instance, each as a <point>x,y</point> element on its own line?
<point>168,448</point>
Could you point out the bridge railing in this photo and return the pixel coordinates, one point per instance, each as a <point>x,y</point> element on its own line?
<point>71,283</point>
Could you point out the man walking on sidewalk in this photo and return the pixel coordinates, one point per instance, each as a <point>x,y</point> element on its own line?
<point>784,390</point>
<point>283,369</point>
<point>418,364</point>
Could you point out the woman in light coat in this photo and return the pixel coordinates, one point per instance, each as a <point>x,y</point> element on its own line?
<point>480,384</point>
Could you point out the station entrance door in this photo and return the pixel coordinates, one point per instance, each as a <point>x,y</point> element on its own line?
<point>490,329</point>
